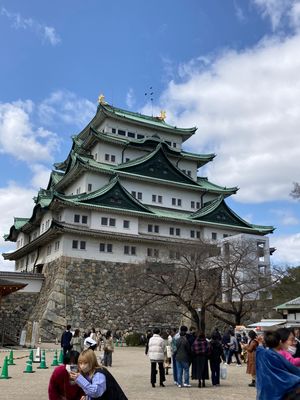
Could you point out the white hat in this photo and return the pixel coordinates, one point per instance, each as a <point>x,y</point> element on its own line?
<point>89,343</point>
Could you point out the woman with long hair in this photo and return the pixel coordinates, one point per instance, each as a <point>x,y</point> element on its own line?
<point>108,348</point>
<point>251,353</point>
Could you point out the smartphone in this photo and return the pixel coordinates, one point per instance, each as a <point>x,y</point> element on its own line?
<point>73,368</point>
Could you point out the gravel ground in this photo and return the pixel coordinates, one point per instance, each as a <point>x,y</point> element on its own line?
<point>132,370</point>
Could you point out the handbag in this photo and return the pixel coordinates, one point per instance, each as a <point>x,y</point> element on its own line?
<point>223,371</point>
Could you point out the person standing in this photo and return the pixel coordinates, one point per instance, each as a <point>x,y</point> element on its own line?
<point>66,338</point>
<point>173,352</point>
<point>108,348</point>
<point>251,356</point>
<point>156,353</point>
<point>77,341</point>
<point>233,350</point>
<point>215,358</point>
<point>200,351</point>
<point>183,357</point>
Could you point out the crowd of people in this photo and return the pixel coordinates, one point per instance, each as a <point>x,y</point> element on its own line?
<point>81,377</point>
<point>191,353</point>
<point>273,361</point>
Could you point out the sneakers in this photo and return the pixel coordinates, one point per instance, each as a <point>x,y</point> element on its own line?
<point>179,386</point>
<point>175,383</point>
<point>239,365</point>
<point>187,385</point>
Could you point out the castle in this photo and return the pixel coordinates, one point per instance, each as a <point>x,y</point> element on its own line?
<point>126,193</point>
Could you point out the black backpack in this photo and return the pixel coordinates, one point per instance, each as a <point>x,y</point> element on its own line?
<point>113,390</point>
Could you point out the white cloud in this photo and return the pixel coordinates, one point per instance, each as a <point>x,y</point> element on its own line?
<point>46,33</point>
<point>246,106</point>
<point>40,177</point>
<point>66,107</point>
<point>130,98</point>
<point>18,136</point>
<point>239,12</point>
<point>14,201</point>
<point>288,249</point>
<point>280,12</point>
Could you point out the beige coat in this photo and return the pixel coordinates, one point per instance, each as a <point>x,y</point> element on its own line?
<point>251,350</point>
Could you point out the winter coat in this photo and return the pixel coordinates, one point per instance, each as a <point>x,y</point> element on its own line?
<point>183,349</point>
<point>156,348</point>
<point>251,350</point>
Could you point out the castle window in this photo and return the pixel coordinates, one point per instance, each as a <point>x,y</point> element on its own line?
<point>104,221</point>
<point>95,156</point>
<point>192,204</point>
<point>214,236</point>
<point>126,224</point>
<point>179,202</point>
<point>225,235</point>
<point>121,132</point>
<point>56,245</point>
<point>171,231</point>
<point>78,190</point>
<point>140,196</point>
<point>152,253</point>
<point>169,143</point>
<point>89,187</point>
<point>133,194</point>
<point>174,144</point>
<point>156,228</point>
<point>130,250</point>
<point>154,198</point>
<point>112,158</point>
<point>197,204</point>
<point>82,245</point>
<point>84,219</point>
<point>198,234</point>
<point>49,250</point>
<point>159,199</point>
<point>105,247</point>
<point>127,159</point>
<point>131,134</point>
<point>140,136</point>
<point>112,222</point>
<point>150,228</point>
<point>106,157</point>
<point>113,130</point>
<point>192,234</point>
<point>173,201</point>
<point>189,173</point>
<point>177,231</point>
<point>76,218</point>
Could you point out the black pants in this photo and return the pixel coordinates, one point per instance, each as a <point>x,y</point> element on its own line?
<point>215,372</point>
<point>162,377</point>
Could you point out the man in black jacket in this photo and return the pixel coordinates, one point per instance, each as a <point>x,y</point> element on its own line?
<point>66,338</point>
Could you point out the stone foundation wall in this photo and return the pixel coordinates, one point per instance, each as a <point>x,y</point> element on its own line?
<point>88,293</point>
<point>16,309</point>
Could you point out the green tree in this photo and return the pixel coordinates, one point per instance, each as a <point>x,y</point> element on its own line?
<point>288,287</point>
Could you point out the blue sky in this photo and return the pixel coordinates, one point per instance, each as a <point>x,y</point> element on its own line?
<point>230,67</point>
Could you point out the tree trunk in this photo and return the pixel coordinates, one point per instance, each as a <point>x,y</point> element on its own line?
<point>202,319</point>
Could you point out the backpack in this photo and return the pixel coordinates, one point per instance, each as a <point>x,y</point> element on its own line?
<point>113,390</point>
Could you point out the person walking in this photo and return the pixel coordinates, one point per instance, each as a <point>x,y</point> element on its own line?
<point>108,348</point>
<point>251,356</point>
<point>233,350</point>
<point>66,338</point>
<point>156,352</point>
<point>200,351</point>
<point>183,358</point>
<point>173,352</point>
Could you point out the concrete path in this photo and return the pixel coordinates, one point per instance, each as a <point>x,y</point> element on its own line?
<point>132,370</point>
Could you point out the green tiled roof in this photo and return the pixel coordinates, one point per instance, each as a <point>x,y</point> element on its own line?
<point>206,184</point>
<point>19,222</point>
<point>217,211</point>
<point>144,119</point>
<point>156,165</point>
<point>292,304</point>
<point>112,195</point>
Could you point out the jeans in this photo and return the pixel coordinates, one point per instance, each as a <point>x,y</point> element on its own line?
<point>183,366</point>
<point>236,354</point>
<point>107,359</point>
<point>174,366</point>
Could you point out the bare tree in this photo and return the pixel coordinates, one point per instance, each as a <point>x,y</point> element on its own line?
<point>244,280</point>
<point>191,282</point>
